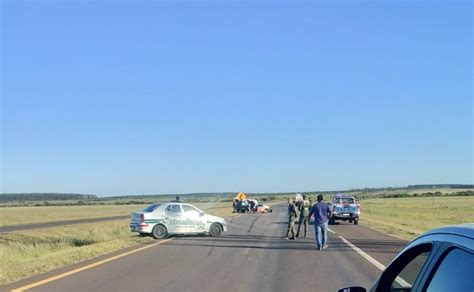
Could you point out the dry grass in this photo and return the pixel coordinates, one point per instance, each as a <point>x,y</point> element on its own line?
<point>408,217</point>
<point>443,191</point>
<point>28,215</point>
<point>32,252</point>
<point>26,253</point>
<point>222,209</point>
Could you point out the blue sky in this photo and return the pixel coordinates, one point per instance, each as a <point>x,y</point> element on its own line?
<point>116,98</point>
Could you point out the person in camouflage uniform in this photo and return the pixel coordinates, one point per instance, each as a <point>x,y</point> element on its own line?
<point>291,219</point>
<point>304,208</point>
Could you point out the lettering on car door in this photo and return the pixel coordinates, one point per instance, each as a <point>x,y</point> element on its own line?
<point>174,218</point>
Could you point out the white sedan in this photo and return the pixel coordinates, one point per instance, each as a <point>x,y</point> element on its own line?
<point>163,219</point>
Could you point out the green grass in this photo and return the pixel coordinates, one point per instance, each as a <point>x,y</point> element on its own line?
<point>32,252</point>
<point>408,217</point>
<point>409,192</point>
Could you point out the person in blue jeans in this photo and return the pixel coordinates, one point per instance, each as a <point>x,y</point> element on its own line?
<point>322,212</point>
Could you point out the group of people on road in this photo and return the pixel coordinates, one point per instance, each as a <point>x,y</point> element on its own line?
<point>321,212</point>
<point>246,205</point>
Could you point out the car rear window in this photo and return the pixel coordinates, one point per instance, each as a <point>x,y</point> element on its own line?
<point>151,208</point>
<point>344,201</point>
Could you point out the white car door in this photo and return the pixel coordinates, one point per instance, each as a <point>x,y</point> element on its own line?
<point>174,218</point>
<point>195,219</point>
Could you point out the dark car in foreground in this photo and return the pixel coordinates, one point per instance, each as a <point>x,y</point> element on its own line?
<point>439,260</point>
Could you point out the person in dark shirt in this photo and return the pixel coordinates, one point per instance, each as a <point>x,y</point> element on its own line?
<point>234,205</point>
<point>322,212</point>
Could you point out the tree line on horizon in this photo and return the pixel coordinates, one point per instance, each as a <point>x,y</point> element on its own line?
<point>44,197</point>
<point>9,197</point>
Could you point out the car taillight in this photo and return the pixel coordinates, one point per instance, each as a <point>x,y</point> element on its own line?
<point>142,221</point>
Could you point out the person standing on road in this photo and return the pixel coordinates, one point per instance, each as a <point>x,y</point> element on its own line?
<point>291,219</point>
<point>322,213</point>
<point>304,208</point>
<point>235,205</point>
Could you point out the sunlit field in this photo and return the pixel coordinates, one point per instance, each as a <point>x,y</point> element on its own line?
<point>409,217</point>
<point>27,253</point>
<point>30,215</point>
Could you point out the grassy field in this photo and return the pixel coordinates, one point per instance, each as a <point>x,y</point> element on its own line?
<point>32,252</point>
<point>26,253</point>
<point>410,192</point>
<point>409,217</point>
<point>29,215</point>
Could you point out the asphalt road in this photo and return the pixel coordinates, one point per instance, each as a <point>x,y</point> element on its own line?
<point>251,256</point>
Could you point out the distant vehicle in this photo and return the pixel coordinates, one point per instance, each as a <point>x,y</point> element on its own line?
<point>440,260</point>
<point>242,206</point>
<point>245,206</point>
<point>298,198</point>
<point>164,219</point>
<point>345,208</point>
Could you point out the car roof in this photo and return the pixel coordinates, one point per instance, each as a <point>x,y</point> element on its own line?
<point>465,230</point>
<point>175,202</point>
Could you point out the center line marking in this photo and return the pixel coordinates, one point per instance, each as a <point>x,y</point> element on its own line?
<point>373,261</point>
<point>75,271</point>
<point>363,254</point>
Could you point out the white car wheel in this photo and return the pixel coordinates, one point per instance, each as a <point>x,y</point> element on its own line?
<point>215,229</point>
<point>159,232</point>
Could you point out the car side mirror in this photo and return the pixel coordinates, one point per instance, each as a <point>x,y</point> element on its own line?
<point>201,214</point>
<point>352,289</point>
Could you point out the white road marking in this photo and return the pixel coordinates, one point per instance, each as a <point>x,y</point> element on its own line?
<point>329,229</point>
<point>90,266</point>
<point>373,261</point>
<point>363,254</point>
<point>246,251</point>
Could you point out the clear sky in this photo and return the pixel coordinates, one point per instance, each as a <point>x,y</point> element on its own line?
<point>111,98</point>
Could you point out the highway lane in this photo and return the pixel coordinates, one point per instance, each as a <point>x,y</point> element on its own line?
<point>378,245</point>
<point>252,256</point>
